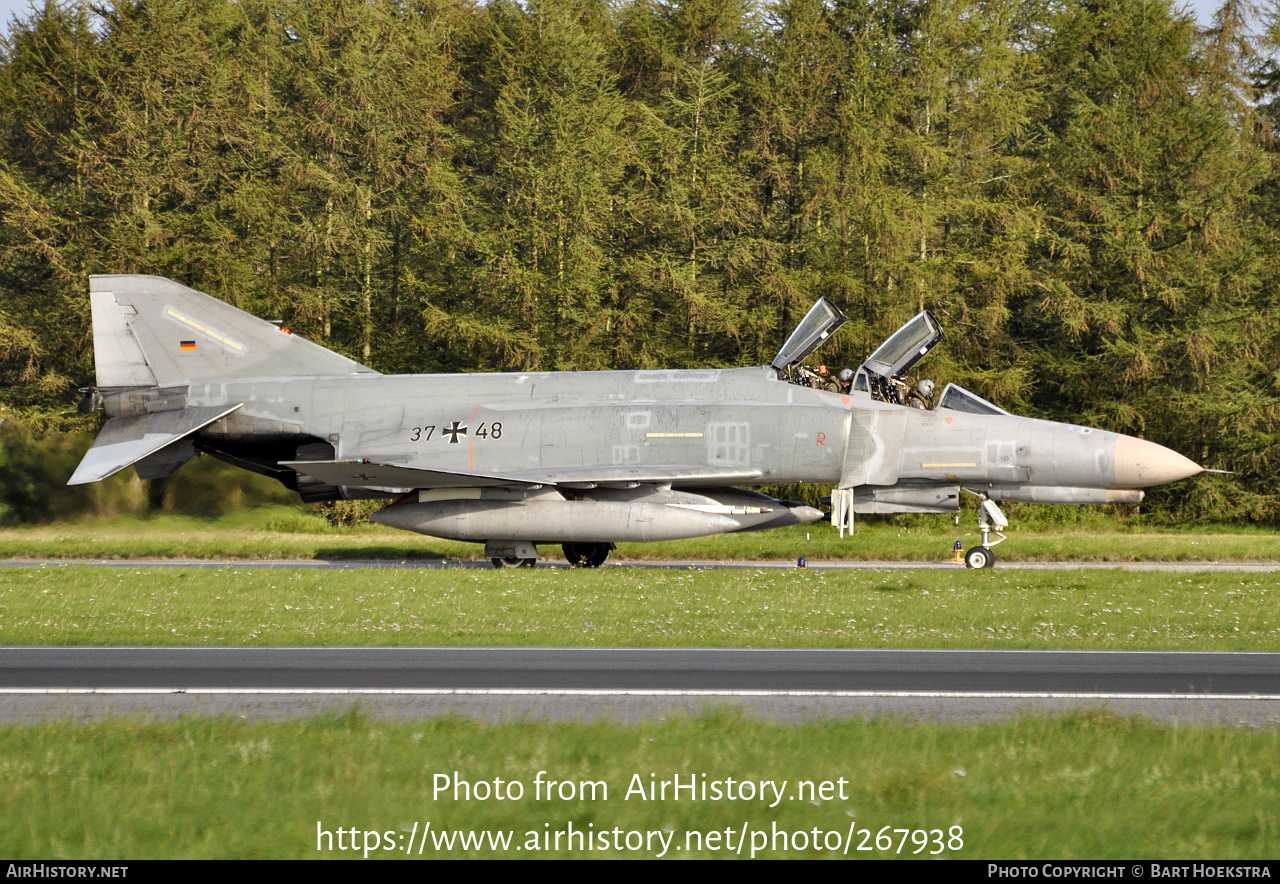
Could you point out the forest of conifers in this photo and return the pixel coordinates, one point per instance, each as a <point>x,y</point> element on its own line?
<point>1086,193</point>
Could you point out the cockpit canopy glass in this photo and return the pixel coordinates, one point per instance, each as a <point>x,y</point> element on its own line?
<point>909,344</point>
<point>957,398</point>
<point>822,319</point>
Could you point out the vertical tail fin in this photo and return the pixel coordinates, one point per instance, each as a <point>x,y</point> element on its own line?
<point>152,331</point>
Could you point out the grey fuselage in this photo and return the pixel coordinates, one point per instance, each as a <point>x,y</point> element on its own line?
<point>569,457</point>
<point>745,418</point>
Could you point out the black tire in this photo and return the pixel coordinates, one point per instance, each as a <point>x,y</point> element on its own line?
<point>991,558</point>
<point>586,555</point>
<point>511,562</point>
<point>572,553</point>
<point>595,558</point>
<point>979,557</point>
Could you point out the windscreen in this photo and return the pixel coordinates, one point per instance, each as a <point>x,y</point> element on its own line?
<point>959,399</point>
<point>822,319</point>
<point>907,346</point>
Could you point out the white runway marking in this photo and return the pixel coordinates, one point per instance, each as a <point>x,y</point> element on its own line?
<point>551,692</point>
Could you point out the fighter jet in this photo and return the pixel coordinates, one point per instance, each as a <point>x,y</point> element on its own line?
<point>521,460</point>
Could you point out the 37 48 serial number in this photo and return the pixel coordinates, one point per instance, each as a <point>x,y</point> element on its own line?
<point>455,431</point>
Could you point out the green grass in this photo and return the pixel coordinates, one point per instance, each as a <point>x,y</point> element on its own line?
<point>294,533</point>
<point>1087,785</point>
<point>77,605</point>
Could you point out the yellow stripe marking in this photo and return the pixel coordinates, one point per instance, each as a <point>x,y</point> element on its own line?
<point>933,465</point>
<point>200,328</point>
<point>673,435</point>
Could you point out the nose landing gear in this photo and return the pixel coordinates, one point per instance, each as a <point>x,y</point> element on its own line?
<point>990,520</point>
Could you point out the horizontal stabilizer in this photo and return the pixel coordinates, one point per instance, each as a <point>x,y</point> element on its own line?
<point>364,474</point>
<point>124,440</point>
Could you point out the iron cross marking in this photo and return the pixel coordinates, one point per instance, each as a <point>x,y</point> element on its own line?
<point>454,432</point>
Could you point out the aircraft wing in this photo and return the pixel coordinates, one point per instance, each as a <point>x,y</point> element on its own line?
<point>126,440</point>
<point>368,474</point>
<point>639,475</point>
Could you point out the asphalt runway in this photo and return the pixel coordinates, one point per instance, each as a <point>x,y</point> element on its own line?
<point>85,684</point>
<point>698,564</point>
<point>613,670</point>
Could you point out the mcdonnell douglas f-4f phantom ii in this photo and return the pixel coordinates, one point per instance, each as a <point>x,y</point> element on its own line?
<point>583,459</point>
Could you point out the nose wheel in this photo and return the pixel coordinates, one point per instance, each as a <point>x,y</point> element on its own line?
<point>979,557</point>
<point>990,520</point>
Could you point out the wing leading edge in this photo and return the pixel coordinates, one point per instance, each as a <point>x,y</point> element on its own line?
<point>368,474</point>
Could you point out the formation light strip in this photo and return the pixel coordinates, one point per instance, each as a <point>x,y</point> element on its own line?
<point>204,331</point>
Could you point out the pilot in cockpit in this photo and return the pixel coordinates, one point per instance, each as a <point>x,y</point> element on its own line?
<point>922,395</point>
<point>845,379</point>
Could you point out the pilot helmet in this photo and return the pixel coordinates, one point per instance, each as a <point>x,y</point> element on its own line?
<point>846,375</point>
<point>925,387</point>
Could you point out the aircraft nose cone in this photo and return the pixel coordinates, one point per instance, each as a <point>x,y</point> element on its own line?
<point>1140,464</point>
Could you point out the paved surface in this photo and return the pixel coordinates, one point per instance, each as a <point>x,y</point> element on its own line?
<point>1120,673</point>
<point>705,564</point>
<point>78,684</point>
<point>628,708</point>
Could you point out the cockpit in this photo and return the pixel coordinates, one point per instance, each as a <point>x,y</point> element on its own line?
<point>885,373</point>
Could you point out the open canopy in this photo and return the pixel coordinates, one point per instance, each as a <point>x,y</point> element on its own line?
<point>818,324</point>
<point>906,347</point>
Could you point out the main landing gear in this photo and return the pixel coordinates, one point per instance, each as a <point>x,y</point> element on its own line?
<point>511,554</point>
<point>990,520</point>
<point>512,562</point>
<point>587,555</point>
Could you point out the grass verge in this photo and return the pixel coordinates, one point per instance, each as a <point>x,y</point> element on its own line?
<point>1087,785</point>
<point>72,605</point>
<point>291,533</point>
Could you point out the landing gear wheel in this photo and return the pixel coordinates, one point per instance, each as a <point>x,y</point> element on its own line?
<point>586,555</point>
<point>513,562</point>
<point>979,557</point>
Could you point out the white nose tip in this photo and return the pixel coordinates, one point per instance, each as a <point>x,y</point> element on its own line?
<point>1140,464</point>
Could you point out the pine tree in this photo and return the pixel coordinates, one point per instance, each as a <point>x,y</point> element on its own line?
<point>689,262</point>
<point>548,158</point>
<point>363,93</point>
<point>1146,312</point>
<point>47,73</point>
